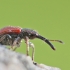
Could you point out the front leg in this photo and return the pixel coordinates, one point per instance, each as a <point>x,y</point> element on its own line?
<point>27,45</point>
<point>33,49</point>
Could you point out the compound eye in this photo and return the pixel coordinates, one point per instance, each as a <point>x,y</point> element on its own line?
<point>31,35</point>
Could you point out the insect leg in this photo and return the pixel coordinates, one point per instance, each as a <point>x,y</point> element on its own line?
<point>33,52</point>
<point>4,37</point>
<point>33,48</point>
<point>16,43</point>
<point>27,45</point>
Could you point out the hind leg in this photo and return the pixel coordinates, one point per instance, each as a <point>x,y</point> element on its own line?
<point>4,37</point>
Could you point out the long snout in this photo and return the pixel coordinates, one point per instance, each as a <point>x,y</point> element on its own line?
<point>46,40</point>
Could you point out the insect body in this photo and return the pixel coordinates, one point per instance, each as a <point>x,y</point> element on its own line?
<point>8,35</point>
<point>12,36</point>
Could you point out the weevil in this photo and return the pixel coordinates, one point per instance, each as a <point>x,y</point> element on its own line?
<point>13,36</point>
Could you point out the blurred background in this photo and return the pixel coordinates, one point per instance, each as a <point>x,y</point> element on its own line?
<point>51,18</point>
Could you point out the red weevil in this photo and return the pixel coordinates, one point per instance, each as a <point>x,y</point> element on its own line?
<point>12,36</point>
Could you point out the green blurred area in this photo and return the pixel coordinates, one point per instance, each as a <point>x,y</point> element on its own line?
<point>51,18</point>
